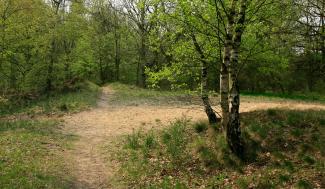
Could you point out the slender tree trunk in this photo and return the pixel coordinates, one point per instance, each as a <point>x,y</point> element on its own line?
<point>117,37</point>
<point>224,69</point>
<point>49,85</point>
<point>13,73</point>
<point>204,84</point>
<point>101,70</point>
<point>224,88</point>
<point>142,63</point>
<point>143,56</point>
<point>310,80</point>
<point>205,96</point>
<point>117,58</point>
<point>323,36</point>
<point>138,71</point>
<point>233,128</point>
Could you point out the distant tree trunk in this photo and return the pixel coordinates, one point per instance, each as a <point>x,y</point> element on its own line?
<point>49,85</point>
<point>204,84</point>
<point>233,128</point>
<point>101,70</point>
<point>138,71</point>
<point>142,63</point>
<point>322,37</point>
<point>12,74</point>
<point>117,58</point>
<point>137,11</point>
<point>117,37</point>
<point>310,81</point>
<point>143,53</point>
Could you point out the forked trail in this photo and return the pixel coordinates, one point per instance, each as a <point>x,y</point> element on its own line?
<point>104,123</point>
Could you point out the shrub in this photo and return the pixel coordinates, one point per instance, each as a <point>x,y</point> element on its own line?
<point>304,184</point>
<point>200,126</point>
<point>271,112</point>
<point>133,141</point>
<point>242,183</point>
<point>175,140</point>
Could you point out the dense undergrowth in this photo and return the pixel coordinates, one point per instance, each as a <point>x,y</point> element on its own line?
<point>82,96</point>
<point>284,149</point>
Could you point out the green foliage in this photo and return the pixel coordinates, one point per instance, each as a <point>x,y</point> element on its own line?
<point>218,180</point>
<point>150,141</point>
<point>175,141</point>
<point>55,48</point>
<point>271,112</point>
<point>208,156</point>
<point>283,178</point>
<point>133,141</point>
<point>304,184</point>
<point>309,160</point>
<point>132,95</point>
<point>242,183</point>
<point>201,126</point>
<point>85,95</point>
<point>309,97</point>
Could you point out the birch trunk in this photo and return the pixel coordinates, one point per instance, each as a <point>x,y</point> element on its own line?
<point>233,128</point>
<point>143,53</point>
<point>204,84</point>
<point>224,78</point>
<point>205,96</point>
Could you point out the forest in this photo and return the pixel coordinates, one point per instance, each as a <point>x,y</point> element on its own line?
<point>162,94</point>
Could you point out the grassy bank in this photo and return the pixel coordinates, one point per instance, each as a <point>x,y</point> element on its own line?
<point>308,97</point>
<point>284,149</point>
<point>84,96</point>
<point>132,95</point>
<point>31,155</point>
<point>32,149</point>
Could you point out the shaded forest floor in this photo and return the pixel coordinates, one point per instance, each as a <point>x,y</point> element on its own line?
<point>84,146</point>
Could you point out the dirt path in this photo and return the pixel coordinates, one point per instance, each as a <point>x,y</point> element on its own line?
<point>102,124</point>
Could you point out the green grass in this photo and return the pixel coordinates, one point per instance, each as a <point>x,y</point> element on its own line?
<point>284,149</point>
<point>132,95</point>
<point>308,97</point>
<point>31,155</point>
<point>201,126</point>
<point>84,97</point>
<point>32,151</point>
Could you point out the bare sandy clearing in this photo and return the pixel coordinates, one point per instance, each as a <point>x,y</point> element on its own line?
<point>105,122</point>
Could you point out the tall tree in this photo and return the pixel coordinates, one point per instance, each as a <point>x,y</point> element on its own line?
<point>233,127</point>
<point>137,11</point>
